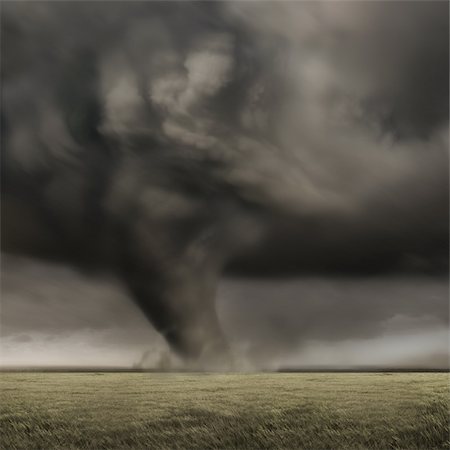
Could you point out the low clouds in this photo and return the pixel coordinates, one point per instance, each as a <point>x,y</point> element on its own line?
<point>277,321</point>
<point>55,316</point>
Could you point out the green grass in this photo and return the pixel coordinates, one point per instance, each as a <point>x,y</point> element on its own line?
<point>189,411</point>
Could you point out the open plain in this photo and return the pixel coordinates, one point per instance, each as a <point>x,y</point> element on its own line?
<point>228,411</point>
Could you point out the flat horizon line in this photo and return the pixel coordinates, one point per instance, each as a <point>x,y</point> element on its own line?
<point>317,369</point>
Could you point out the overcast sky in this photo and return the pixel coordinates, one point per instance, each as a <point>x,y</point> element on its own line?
<point>300,146</point>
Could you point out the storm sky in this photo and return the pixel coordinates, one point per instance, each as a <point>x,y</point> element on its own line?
<point>321,129</point>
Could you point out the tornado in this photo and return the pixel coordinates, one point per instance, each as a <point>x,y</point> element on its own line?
<point>168,143</point>
<point>96,170</point>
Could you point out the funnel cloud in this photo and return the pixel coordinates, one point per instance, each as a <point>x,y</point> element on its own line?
<point>175,149</point>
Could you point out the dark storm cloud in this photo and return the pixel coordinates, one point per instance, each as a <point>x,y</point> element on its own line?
<point>368,126</point>
<point>168,140</point>
<point>332,114</point>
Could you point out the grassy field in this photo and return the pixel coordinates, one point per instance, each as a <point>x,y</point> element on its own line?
<point>148,410</point>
